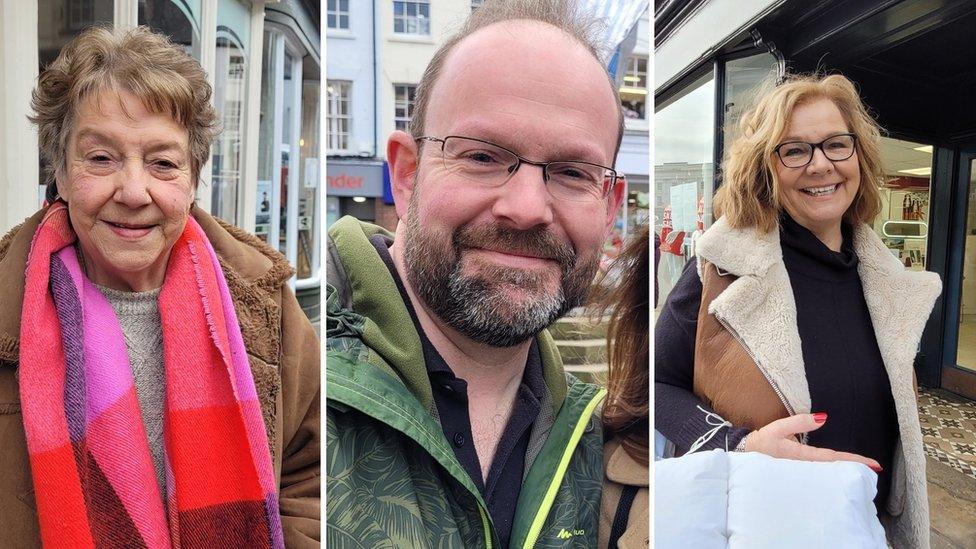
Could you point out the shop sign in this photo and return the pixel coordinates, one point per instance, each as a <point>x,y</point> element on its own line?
<point>354,179</point>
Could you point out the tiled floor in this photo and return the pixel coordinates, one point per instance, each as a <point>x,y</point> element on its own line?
<point>949,429</point>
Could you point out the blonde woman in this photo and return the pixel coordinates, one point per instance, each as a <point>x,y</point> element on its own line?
<point>796,329</point>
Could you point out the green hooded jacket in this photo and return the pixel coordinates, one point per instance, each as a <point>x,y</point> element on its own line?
<point>392,477</point>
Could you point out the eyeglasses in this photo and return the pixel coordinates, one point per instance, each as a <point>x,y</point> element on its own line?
<point>796,154</point>
<point>493,165</point>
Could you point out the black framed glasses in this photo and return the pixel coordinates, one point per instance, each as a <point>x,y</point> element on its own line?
<point>492,165</point>
<point>796,154</point>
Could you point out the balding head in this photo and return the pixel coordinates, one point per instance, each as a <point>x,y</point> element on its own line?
<point>577,26</point>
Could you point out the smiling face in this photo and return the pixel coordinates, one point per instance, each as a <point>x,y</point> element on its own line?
<point>500,263</point>
<point>817,195</point>
<point>128,187</point>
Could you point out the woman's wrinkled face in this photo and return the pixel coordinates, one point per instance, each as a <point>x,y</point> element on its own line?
<point>128,185</point>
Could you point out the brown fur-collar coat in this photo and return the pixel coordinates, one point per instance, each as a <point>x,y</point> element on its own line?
<point>759,309</point>
<point>282,348</point>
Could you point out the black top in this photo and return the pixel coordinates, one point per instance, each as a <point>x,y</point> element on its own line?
<point>843,365</point>
<point>504,483</point>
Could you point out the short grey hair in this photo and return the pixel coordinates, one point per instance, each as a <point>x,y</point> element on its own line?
<point>566,15</point>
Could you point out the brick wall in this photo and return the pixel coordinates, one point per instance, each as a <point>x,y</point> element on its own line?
<point>386,216</point>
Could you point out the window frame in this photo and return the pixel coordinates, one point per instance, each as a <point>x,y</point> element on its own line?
<point>406,19</point>
<point>338,14</point>
<point>405,104</point>
<point>633,62</point>
<point>334,115</point>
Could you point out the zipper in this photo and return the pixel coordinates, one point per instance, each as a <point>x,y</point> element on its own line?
<point>776,389</point>
<point>543,510</point>
<point>486,525</point>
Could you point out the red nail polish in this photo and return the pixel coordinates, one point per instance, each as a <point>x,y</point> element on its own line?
<point>876,469</point>
<point>820,417</point>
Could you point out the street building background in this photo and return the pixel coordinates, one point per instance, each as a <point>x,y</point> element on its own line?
<point>263,60</point>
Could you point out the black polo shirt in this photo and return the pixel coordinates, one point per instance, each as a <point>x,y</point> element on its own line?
<point>504,483</point>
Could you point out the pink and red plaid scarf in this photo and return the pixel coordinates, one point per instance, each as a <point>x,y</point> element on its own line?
<point>94,480</point>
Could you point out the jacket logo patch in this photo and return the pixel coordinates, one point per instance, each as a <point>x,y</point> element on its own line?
<point>566,534</point>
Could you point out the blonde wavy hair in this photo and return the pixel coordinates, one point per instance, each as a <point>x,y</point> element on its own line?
<point>750,192</point>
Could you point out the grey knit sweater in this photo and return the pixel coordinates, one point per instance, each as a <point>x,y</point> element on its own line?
<point>138,314</point>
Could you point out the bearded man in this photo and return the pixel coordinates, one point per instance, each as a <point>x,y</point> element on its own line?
<point>450,421</point>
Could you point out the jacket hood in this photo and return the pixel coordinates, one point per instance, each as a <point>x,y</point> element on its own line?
<point>363,303</point>
<point>250,265</point>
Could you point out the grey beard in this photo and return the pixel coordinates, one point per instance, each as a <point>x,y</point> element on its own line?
<point>476,307</point>
<point>479,310</point>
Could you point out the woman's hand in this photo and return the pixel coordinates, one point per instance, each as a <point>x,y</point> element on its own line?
<point>778,439</point>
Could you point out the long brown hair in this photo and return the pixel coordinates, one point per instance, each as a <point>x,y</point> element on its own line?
<point>626,412</point>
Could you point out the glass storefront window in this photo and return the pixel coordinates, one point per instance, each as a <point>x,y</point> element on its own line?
<point>266,137</point>
<point>683,174</point>
<point>229,101</point>
<point>744,78</point>
<point>287,128</point>
<point>58,22</point>
<point>966,350</point>
<point>175,19</point>
<point>308,221</point>
<point>332,211</point>
<point>903,222</point>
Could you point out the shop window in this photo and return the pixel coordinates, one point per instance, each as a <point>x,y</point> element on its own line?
<point>633,92</point>
<point>339,117</point>
<point>307,262</point>
<point>229,96</point>
<point>81,14</point>
<point>683,174</point>
<point>266,137</point>
<point>174,19</point>
<point>903,222</point>
<point>744,79</point>
<point>966,349</point>
<point>403,105</point>
<point>58,21</point>
<point>337,14</point>
<point>411,17</point>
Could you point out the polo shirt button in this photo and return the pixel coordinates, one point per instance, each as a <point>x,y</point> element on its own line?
<point>458,440</point>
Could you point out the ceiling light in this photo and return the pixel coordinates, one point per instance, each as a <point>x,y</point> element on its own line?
<point>924,149</point>
<point>918,171</point>
<point>630,89</point>
<point>359,199</point>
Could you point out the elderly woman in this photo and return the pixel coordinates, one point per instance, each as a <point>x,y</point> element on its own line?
<point>795,325</point>
<point>159,384</point>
